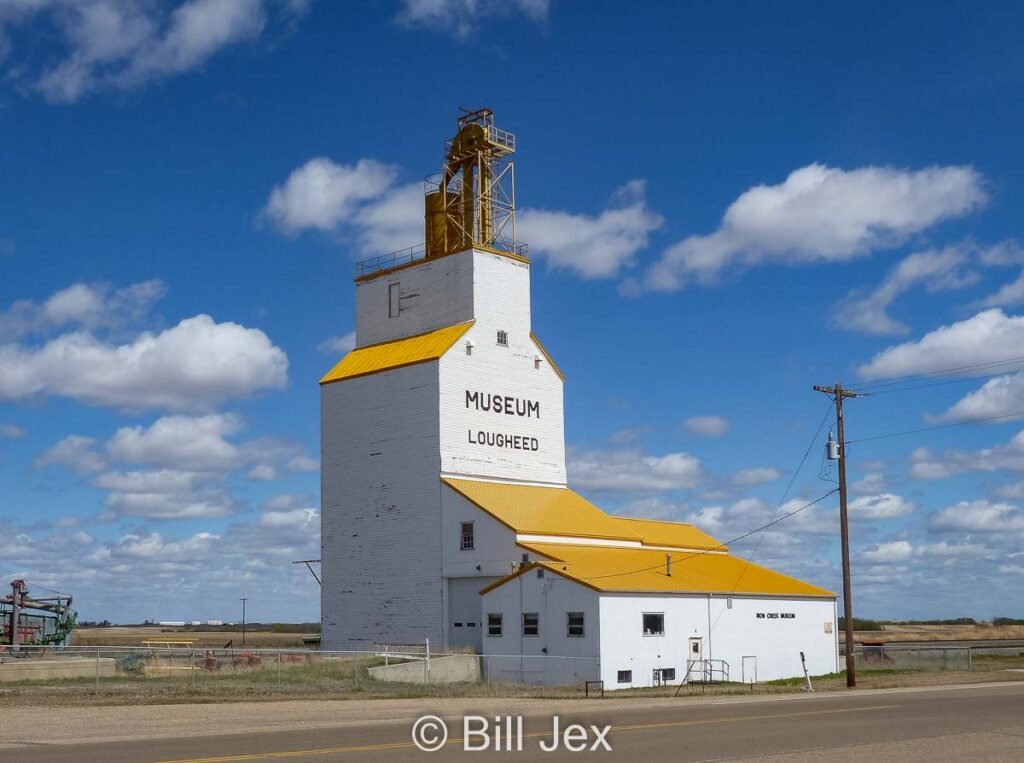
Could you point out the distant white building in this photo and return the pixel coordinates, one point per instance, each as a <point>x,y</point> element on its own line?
<point>445,510</point>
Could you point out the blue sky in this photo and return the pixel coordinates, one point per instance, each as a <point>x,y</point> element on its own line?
<point>726,204</point>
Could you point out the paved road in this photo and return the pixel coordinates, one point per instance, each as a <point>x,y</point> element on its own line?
<point>980,723</point>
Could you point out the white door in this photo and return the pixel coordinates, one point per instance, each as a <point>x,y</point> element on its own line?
<point>695,659</point>
<point>749,669</point>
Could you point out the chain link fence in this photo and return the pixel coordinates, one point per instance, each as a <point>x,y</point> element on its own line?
<point>913,657</point>
<point>388,670</point>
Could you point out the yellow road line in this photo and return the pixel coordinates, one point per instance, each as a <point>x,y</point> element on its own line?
<point>534,734</point>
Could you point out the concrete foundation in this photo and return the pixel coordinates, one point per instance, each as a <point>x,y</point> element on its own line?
<point>451,669</point>
<point>46,668</point>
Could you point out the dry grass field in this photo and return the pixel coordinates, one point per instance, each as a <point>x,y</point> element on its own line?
<point>136,635</point>
<point>909,632</point>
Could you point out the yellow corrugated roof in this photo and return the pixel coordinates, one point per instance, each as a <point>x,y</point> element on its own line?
<point>606,568</point>
<point>655,532</point>
<point>397,353</point>
<point>537,510</point>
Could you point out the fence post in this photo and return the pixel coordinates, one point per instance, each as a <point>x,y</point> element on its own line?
<point>97,671</point>
<point>357,670</point>
<point>970,658</point>
<point>385,662</point>
<point>279,671</point>
<point>426,665</point>
<point>192,666</point>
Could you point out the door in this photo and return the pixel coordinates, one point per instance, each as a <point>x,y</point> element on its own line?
<point>695,660</point>
<point>749,669</point>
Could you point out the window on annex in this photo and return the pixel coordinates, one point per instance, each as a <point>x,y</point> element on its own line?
<point>625,677</point>
<point>503,339</point>
<point>531,624</point>
<point>574,624</point>
<point>668,674</point>
<point>393,298</point>
<point>494,624</point>
<point>466,536</point>
<point>654,624</point>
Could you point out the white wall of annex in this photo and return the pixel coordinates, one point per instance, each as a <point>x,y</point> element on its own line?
<point>625,647</point>
<point>515,657</point>
<point>433,294</point>
<point>775,642</point>
<point>726,634</point>
<point>381,509</point>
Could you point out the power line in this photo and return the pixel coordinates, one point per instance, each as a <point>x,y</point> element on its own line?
<point>719,547</point>
<point>785,493</point>
<point>936,373</point>
<point>981,420</point>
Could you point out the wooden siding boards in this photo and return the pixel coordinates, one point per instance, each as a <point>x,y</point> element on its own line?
<point>381,510</point>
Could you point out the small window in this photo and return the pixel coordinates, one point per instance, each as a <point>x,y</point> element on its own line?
<point>574,624</point>
<point>654,624</point>
<point>531,624</point>
<point>393,299</point>
<point>695,646</point>
<point>540,572</point>
<point>458,625</point>
<point>470,625</point>
<point>466,543</point>
<point>625,676</point>
<point>494,624</point>
<point>728,603</point>
<point>503,339</point>
<point>668,674</point>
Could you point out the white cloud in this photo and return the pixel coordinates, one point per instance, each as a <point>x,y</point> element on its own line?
<point>937,270</point>
<point>979,516</point>
<point>632,470</point>
<point>878,507</point>
<point>871,483</point>
<point>926,465</point>
<point>629,435</point>
<point>1001,397</point>
<point>172,505</point>
<point>820,214</point>
<point>12,432</point>
<point>888,553</point>
<point>92,306</point>
<point>1014,491</point>
<point>194,365</point>
<point>1007,295</point>
<point>707,426</point>
<point>989,336</point>
<point>323,195</point>
<point>460,18</point>
<point>338,345</point>
<point>363,204</point>
<point>592,246</point>
<point>123,44</point>
<point>186,462</point>
<point>756,476</point>
<point>180,442</point>
<point>75,452</point>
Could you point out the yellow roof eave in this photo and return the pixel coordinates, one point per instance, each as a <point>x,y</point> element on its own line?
<point>396,353</point>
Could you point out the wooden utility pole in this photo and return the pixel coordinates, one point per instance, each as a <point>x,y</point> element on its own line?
<point>243,620</point>
<point>838,394</point>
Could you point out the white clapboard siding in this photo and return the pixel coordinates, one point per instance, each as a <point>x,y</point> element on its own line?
<point>381,509</point>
